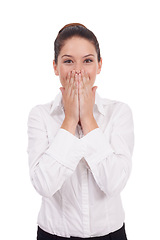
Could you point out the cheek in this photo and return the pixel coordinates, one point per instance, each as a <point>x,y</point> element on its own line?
<point>92,74</point>
<point>63,73</point>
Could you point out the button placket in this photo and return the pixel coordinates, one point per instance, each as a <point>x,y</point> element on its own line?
<point>85,201</point>
<point>85,191</point>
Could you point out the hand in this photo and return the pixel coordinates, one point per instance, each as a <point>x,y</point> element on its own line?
<point>86,97</point>
<point>70,97</point>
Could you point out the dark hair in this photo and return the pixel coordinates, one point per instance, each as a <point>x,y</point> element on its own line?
<point>74,29</point>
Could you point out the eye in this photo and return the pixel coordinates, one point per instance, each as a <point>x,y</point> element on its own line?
<point>88,60</point>
<point>68,61</point>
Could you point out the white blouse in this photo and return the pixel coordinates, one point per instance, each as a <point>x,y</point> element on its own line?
<point>79,177</point>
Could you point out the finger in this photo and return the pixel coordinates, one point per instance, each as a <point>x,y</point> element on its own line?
<point>73,83</point>
<point>83,78</point>
<point>72,76</point>
<point>81,75</point>
<point>68,78</point>
<point>68,84</point>
<point>62,90</point>
<point>86,77</point>
<point>76,84</point>
<point>94,90</point>
<point>87,88</point>
<point>80,84</point>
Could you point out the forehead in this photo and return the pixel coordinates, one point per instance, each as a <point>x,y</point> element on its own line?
<point>78,45</point>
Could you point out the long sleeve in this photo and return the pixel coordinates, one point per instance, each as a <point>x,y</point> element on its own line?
<point>50,164</point>
<point>79,176</point>
<point>109,153</point>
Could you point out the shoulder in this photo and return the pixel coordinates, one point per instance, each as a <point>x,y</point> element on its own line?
<point>40,109</point>
<point>115,105</point>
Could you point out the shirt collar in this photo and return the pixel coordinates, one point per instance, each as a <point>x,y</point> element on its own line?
<point>57,103</point>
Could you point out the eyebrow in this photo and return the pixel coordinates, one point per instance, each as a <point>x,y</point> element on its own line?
<point>89,55</point>
<point>66,55</point>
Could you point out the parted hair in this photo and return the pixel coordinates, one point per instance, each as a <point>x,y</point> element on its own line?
<point>71,30</point>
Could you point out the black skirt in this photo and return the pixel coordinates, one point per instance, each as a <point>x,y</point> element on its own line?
<point>117,235</point>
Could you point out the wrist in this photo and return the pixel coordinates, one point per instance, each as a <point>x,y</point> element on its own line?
<point>88,119</point>
<point>70,121</point>
<point>89,124</point>
<point>69,125</point>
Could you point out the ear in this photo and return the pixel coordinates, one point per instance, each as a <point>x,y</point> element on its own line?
<point>99,66</point>
<point>55,68</point>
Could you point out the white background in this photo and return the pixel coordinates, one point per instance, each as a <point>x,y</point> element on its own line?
<point>129,37</point>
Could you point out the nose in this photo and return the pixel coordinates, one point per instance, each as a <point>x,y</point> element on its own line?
<point>78,71</point>
<point>78,68</point>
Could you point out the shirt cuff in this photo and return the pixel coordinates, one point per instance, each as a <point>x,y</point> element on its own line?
<point>97,147</point>
<point>66,149</point>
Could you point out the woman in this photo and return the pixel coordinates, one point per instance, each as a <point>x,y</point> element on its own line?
<point>80,147</point>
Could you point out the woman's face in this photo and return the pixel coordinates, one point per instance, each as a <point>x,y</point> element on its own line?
<point>77,54</point>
